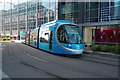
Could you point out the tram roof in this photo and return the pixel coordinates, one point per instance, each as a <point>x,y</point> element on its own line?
<point>56,22</point>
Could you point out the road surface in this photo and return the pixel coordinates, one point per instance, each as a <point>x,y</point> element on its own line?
<point>22,61</point>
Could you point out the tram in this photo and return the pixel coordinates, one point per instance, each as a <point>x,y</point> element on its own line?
<point>59,37</point>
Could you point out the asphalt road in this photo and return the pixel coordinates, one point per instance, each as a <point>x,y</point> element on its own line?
<point>22,61</point>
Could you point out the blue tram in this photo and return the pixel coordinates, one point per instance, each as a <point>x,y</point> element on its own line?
<point>59,36</point>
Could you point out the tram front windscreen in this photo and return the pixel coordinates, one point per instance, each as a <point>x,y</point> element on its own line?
<point>69,34</point>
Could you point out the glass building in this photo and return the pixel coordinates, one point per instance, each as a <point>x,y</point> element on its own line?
<point>1,22</point>
<point>28,15</point>
<point>92,17</point>
<point>98,21</point>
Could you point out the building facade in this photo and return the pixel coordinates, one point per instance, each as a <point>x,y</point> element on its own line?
<point>93,18</point>
<point>28,15</point>
<point>98,21</point>
<point>1,22</point>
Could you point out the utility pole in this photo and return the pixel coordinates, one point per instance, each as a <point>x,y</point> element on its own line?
<point>26,29</point>
<point>43,13</point>
<point>18,20</point>
<point>11,17</point>
<point>36,13</point>
<point>48,10</point>
<point>4,18</point>
<point>55,10</point>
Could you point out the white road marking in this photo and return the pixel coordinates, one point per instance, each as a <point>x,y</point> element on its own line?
<point>35,57</point>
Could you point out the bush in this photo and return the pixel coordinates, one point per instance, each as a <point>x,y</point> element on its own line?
<point>104,48</point>
<point>112,48</point>
<point>95,47</point>
<point>117,49</point>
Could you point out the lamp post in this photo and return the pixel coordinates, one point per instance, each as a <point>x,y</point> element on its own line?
<point>48,10</point>
<point>4,19</point>
<point>18,21</point>
<point>36,13</point>
<point>26,16</point>
<point>11,18</point>
<point>56,10</point>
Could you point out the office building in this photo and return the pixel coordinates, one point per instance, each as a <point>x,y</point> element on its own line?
<point>28,15</point>
<point>98,21</point>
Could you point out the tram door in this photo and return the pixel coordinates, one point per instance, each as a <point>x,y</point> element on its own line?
<point>50,42</point>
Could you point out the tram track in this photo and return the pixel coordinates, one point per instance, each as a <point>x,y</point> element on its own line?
<point>84,56</point>
<point>33,67</point>
<point>91,60</point>
<point>91,55</point>
<point>71,68</point>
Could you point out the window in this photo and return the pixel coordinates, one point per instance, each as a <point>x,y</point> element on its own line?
<point>45,36</point>
<point>112,11</point>
<point>68,34</point>
<point>117,2</point>
<point>33,36</point>
<point>93,5</point>
<point>104,4</point>
<point>94,13</point>
<point>111,3</point>
<point>87,5</point>
<point>61,35</point>
<point>87,14</point>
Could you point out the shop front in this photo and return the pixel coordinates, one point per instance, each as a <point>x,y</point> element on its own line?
<point>101,35</point>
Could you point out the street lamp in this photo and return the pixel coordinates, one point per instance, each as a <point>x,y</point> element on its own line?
<point>26,16</point>
<point>48,10</point>
<point>18,21</point>
<point>55,10</point>
<point>36,13</point>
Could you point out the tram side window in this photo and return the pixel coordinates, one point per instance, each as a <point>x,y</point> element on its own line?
<point>61,35</point>
<point>33,36</point>
<point>27,37</point>
<point>44,37</point>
